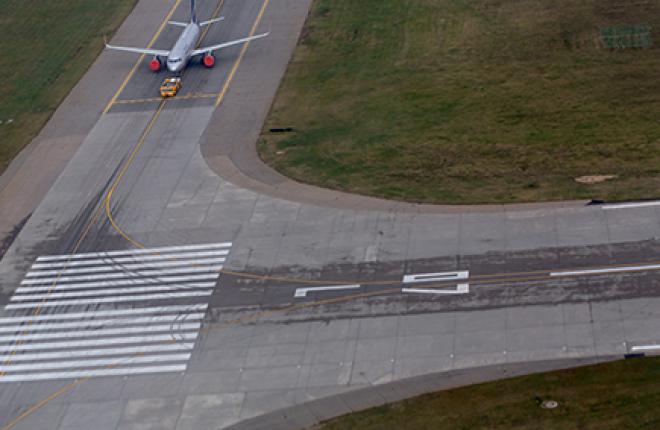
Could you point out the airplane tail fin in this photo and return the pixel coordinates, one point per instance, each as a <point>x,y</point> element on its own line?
<point>193,11</point>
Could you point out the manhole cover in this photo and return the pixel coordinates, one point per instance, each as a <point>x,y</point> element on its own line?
<point>549,404</point>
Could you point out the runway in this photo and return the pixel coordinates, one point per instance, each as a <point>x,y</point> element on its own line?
<point>147,290</point>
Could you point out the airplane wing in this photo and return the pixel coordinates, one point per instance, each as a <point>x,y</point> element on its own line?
<point>227,44</point>
<point>159,52</point>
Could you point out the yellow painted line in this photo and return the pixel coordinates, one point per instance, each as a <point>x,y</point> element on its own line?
<point>214,15</point>
<point>230,78</point>
<point>132,101</point>
<point>122,172</point>
<point>160,99</point>
<point>132,72</point>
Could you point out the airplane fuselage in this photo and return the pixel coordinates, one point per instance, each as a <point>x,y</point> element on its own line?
<point>182,50</point>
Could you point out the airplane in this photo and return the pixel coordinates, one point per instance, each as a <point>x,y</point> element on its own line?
<point>184,48</point>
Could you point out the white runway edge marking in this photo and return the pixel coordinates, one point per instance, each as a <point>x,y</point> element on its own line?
<point>460,289</point>
<point>136,298</point>
<point>108,313</point>
<point>302,292</point>
<point>135,252</point>
<point>125,267</point>
<point>436,277</point>
<point>94,373</point>
<point>630,205</point>
<point>607,270</point>
<point>59,345</point>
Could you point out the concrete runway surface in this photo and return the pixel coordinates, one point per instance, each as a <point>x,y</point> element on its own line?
<point>169,280</point>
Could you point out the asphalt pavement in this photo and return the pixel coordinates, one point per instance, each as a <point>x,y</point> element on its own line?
<point>167,279</point>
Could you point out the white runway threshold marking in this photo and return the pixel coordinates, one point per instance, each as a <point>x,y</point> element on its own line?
<point>302,292</point>
<point>111,335</point>
<point>607,270</point>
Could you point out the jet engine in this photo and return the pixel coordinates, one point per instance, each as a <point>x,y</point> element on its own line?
<point>208,60</point>
<point>155,64</point>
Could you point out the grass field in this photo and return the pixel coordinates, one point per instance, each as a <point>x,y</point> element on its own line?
<point>471,101</point>
<point>612,396</point>
<point>45,48</point>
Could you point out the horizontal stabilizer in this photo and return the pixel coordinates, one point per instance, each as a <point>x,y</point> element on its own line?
<point>178,23</point>
<point>211,21</point>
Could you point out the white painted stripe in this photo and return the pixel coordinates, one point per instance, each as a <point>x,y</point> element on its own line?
<point>77,353</point>
<point>69,287</point>
<point>436,277</point>
<point>460,289</point>
<point>607,270</point>
<point>126,267</point>
<point>92,373</point>
<point>143,251</point>
<point>121,282</point>
<point>643,348</point>
<point>134,259</point>
<point>136,298</point>
<point>302,292</point>
<point>172,337</point>
<point>107,313</point>
<point>630,205</point>
<point>117,361</point>
<point>103,332</point>
<point>154,273</point>
<point>109,292</point>
<point>101,323</point>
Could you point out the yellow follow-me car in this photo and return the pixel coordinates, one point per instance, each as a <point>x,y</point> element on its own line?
<point>170,87</point>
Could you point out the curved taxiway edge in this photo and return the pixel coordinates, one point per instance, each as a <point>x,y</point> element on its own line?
<point>308,414</point>
<point>229,142</point>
